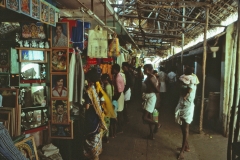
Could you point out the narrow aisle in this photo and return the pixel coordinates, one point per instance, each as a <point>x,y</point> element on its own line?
<point>130,145</point>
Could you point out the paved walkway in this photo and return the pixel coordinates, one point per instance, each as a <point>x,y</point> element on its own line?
<point>131,146</point>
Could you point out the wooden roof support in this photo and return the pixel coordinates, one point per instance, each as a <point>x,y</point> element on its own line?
<point>176,5</point>
<point>204,69</point>
<point>173,14</point>
<point>172,21</point>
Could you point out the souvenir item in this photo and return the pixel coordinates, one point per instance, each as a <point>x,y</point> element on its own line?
<point>52,16</point>
<point>13,5</point>
<point>41,33</point>
<point>36,9</point>
<point>34,44</point>
<point>26,31</point>
<point>41,44</point>
<point>34,30</point>
<point>26,44</point>
<point>28,148</point>
<point>25,7</point>
<point>46,44</point>
<point>44,12</point>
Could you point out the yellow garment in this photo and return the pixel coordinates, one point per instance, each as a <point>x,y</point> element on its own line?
<point>97,107</point>
<point>107,106</point>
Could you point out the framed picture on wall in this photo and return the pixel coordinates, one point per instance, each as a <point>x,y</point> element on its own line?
<point>33,56</point>
<point>25,7</point>
<point>59,86</point>
<point>36,9</point>
<point>4,58</point>
<point>59,60</point>
<point>2,3</point>
<point>60,111</point>
<point>28,148</point>
<point>13,5</point>
<point>5,123</point>
<point>44,12</point>
<point>61,131</point>
<point>4,81</point>
<point>60,35</point>
<point>52,16</point>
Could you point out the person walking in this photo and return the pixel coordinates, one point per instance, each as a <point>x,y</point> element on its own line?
<point>185,108</point>
<point>150,100</point>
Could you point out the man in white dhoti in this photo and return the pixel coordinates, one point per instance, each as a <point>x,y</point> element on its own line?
<point>185,108</point>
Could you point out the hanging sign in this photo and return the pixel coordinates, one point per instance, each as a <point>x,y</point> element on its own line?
<point>97,43</point>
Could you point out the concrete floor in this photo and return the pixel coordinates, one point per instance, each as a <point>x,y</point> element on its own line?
<point>131,146</point>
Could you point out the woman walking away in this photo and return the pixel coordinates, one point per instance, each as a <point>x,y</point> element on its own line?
<point>94,118</point>
<point>149,96</point>
<point>185,108</point>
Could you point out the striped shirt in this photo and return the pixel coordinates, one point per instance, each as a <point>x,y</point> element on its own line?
<point>7,148</point>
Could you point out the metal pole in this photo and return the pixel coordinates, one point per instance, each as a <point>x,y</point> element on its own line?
<point>183,26</point>
<point>105,12</point>
<point>92,8</point>
<point>204,67</point>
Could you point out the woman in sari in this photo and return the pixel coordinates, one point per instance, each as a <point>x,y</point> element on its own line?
<point>94,118</point>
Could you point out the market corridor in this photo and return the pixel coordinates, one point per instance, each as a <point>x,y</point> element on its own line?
<point>131,146</point>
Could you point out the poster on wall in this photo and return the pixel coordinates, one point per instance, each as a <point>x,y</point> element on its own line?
<point>44,12</point>
<point>28,148</point>
<point>13,5</point>
<point>61,131</point>
<point>2,3</point>
<point>35,9</point>
<point>4,60</point>
<point>60,112</point>
<point>59,60</point>
<point>25,7</point>
<point>52,16</point>
<point>59,85</point>
<point>60,35</point>
<point>33,30</point>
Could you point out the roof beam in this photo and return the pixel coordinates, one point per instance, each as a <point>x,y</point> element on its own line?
<point>155,35</point>
<point>173,14</point>
<point>172,21</point>
<point>179,4</point>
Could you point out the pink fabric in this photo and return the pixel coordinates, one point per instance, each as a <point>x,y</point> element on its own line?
<point>120,83</point>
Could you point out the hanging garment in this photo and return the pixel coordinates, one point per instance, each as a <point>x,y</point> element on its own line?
<point>120,59</point>
<point>78,80</point>
<point>71,76</point>
<point>108,107</point>
<point>97,43</point>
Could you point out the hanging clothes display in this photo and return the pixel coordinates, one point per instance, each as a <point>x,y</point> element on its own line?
<point>97,43</point>
<point>120,59</point>
<point>114,47</point>
<point>71,73</point>
<point>78,80</point>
